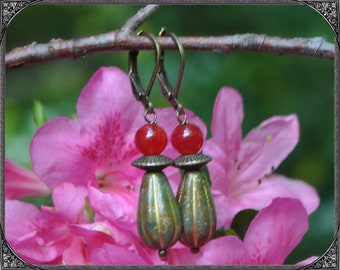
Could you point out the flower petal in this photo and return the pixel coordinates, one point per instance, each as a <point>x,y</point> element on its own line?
<point>18,219</point>
<point>107,206</point>
<point>222,208</point>
<point>218,169</point>
<point>276,231</point>
<point>225,143</point>
<point>109,116</point>
<point>113,255</point>
<point>69,200</point>
<point>224,250</point>
<point>307,261</point>
<point>279,186</point>
<point>227,120</point>
<point>56,157</point>
<point>99,143</point>
<point>264,148</point>
<point>226,123</point>
<point>38,237</point>
<point>220,251</point>
<point>92,236</point>
<point>20,182</point>
<point>74,254</point>
<point>108,94</point>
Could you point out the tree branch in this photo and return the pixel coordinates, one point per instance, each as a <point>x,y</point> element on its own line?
<point>124,39</point>
<point>137,20</point>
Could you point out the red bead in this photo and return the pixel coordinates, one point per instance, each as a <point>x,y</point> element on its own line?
<point>151,139</point>
<point>187,139</point>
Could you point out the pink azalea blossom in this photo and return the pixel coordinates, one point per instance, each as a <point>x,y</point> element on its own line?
<point>98,147</point>
<point>241,169</point>
<point>272,235</point>
<point>60,234</point>
<point>20,182</point>
<point>87,163</point>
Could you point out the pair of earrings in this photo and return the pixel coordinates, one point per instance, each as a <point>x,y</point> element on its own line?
<point>163,219</point>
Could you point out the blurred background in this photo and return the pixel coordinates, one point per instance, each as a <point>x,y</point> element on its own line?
<point>270,84</point>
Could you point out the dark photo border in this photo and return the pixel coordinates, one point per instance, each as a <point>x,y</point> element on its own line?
<point>329,10</point>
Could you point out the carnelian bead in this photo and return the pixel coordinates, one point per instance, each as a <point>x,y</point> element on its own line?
<point>151,139</point>
<point>187,139</point>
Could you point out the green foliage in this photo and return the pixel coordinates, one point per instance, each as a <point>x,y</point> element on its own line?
<point>38,113</point>
<point>239,225</point>
<point>270,84</point>
<point>242,221</point>
<point>39,201</point>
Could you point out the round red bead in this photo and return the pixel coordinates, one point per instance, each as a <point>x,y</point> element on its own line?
<point>187,139</point>
<point>151,139</point>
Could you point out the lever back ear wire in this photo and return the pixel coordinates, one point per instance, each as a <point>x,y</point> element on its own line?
<point>170,92</point>
<point>137,88</point>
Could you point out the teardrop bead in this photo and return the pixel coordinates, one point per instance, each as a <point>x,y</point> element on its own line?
<point>197,209</point>
<point>159,219</point>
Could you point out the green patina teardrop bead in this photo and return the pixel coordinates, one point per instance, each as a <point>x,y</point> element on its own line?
<point>158,217</point>
<point>197,209</point>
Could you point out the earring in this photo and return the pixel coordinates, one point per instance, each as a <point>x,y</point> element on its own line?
<point>194,196</point>
<point>158,217</point>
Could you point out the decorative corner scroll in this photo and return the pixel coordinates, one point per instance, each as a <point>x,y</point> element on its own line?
<point>329,259</point>
<point>8,258</point>
<point>329,10</point>
<point>9,9</point>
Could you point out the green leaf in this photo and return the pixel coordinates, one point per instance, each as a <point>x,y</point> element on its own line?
<point>88,210</point>
<point>223,232</point>
<point>39,201</point>
<point>230,232</point>
<point>39,116</point>
<point>219,233</point>
<point>242,221</point>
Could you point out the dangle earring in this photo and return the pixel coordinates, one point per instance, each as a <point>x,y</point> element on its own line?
<point>158,217</point>
<point>194,196</point>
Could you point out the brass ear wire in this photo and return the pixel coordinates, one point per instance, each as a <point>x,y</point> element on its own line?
<point>137,88</point>
<point>169,92</point>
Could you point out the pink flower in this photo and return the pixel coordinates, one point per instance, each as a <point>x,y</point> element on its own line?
<point>95,151</point>
<point>36,236</point>
<point>98,147</point>
<point>241,169</point>
<point>109,254</point>
<point>20,182</point>
<point>87,163</point>
<point>60,234</point>
<point>275,231</point>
